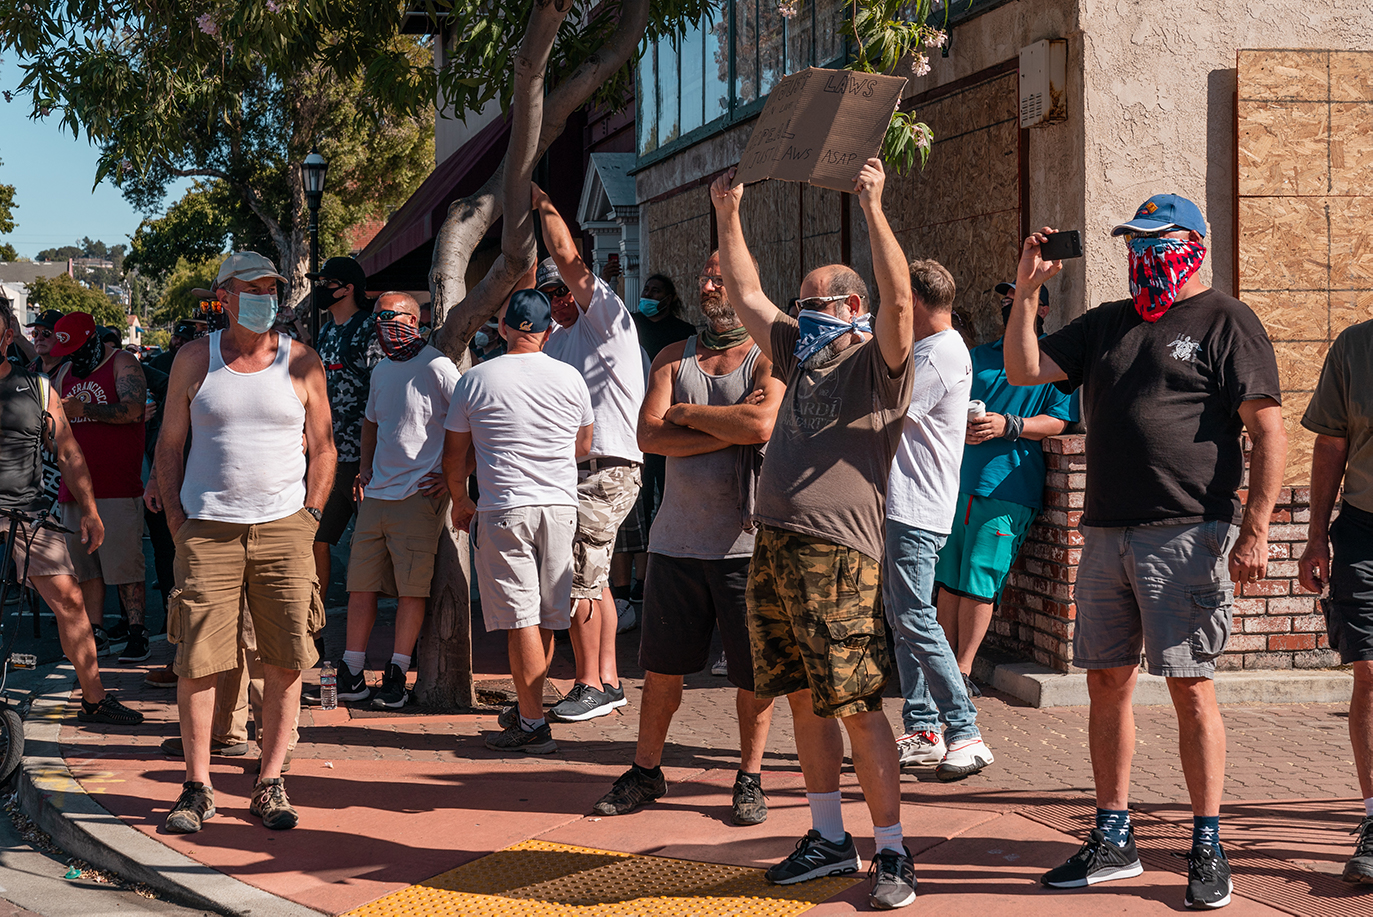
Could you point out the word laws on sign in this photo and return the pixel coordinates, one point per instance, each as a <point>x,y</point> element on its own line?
<point>820,126</point>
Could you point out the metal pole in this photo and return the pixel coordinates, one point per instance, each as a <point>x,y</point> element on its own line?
<point>314,268</point>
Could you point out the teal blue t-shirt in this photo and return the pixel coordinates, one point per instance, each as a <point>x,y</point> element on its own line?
<point>1011,471</point>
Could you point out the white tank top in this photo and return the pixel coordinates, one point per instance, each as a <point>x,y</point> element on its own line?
<point>247,462</point>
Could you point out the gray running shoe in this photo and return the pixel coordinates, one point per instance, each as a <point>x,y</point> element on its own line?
<point>893,879</point>
<point>815,857</point>
<point>750,804</point>
<point>633,789</point>
<point>538,742</point>
<point>582,703</point>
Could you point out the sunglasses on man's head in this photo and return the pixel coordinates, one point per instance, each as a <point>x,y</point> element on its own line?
<point>814,302</point>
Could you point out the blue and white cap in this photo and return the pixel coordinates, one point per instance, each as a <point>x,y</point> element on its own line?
<point>1165,211</point>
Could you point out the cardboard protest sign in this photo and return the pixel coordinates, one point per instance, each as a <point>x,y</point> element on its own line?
<point>820,126</point>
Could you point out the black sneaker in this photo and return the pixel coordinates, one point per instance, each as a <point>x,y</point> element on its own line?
<point>350,687</point>
<point>392,693</point>
<point>893,879</point>
<point>119,632</point>
<point>814,858</point>
<point>634,788</point>
<point>175,749</point>
<point>1208,877</point>
<point>1098,861</point>
<point>110,712</point>
<point>514,738</point>
<point>102,640</point>
<point>616,695</point>
<point>973,689</point>
<point>194,806</point>
<point>582,703</point>
<point>750,806</point>
<point>1360,865</point>
<point>138,649</point>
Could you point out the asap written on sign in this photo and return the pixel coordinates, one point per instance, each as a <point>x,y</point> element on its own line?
<point>820,126</point>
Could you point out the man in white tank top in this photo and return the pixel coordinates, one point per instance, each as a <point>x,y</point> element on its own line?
<point>243,509</point>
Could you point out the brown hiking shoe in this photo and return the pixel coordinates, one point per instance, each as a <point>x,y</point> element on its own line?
<point>271,805</point>
<point>161,678</point>
<point>195,804</point>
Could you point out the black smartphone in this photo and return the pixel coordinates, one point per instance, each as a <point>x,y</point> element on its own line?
<point>1060,245</point>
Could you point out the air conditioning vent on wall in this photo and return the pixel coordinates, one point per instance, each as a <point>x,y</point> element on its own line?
<point>1043,83</point>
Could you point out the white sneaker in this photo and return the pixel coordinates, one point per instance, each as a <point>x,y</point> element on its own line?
<point>721,666</point>
<point>964,758</point>
<point>920,748</point>
<point>627,614</point>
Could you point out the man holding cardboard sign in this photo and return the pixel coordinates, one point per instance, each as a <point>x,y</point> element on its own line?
<point>817,633</point>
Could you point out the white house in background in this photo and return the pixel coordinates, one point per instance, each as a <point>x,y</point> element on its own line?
<point>133,334</point>
<point>15,277</point>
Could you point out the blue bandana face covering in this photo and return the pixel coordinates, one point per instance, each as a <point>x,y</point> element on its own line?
<point>257,312</point>
<point>649,307</point>
<point>818,329</point>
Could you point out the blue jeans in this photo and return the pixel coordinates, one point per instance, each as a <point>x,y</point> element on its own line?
<point>930,681</point>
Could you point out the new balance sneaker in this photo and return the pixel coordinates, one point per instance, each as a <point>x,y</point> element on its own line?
<point>815,857</point>
<point>963,759</point>
<point>921,748</point>
<point>616,695</point>
<point>193,807</point>
<point>393,692</point>
<point>137,649</point>
<point>271,805</point>
<point>750,802</point>
<point>583,702</point>
<point>1098,860</point>
<point>514,738</point>
<point>350,687</point>
<point>893,879</point>
<point>110,712</point>
<point>634,788</point>
<point>1360,865</point>
<point>1208,877</point>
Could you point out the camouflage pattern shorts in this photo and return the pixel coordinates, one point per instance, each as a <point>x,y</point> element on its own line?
<point>815,621</point>
<point>604,498</point>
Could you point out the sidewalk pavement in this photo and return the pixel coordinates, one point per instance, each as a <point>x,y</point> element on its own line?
<point>408,812</point>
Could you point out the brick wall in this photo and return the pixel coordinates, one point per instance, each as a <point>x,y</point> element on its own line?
<point>1278,624</point>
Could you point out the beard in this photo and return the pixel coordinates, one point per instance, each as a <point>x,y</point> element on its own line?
<point>718,311</point>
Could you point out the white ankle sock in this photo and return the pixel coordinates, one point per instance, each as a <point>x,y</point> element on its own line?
<point>888,838</point>
<point>402,661</point>
<point>356,662</point>
<point>827,816</point>
<point>1368,807</point>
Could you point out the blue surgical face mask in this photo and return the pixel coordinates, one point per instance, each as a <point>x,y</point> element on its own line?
<point>650,307</point>
<point>257,311</point>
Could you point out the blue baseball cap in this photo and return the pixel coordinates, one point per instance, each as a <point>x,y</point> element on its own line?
<point>1165,211</point>
<point>529,311</point>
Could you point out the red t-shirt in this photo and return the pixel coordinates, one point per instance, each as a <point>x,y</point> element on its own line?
<point>113,451</point>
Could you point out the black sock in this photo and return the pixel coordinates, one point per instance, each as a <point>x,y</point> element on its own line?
<point>757,778</point>
<point>655,771</point>
<point>620,592</point>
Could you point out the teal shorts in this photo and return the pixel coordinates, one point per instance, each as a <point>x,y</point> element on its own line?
<point>984,542</point>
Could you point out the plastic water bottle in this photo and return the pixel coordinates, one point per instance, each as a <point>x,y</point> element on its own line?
<point>328,686</point>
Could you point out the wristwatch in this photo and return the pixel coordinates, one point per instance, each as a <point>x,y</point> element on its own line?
<point>318,514</point>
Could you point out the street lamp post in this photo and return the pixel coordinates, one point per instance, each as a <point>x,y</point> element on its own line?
<point>312,172</point>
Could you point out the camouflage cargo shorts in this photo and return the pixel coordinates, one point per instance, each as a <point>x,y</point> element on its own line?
<point>815,621</point>
<point>604,498</point>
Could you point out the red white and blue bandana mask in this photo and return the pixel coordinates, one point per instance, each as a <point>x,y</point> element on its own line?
<point>1158,269</point>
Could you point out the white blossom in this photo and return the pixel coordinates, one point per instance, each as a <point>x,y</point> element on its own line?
<point>207,24</point>
<point>920,65</point>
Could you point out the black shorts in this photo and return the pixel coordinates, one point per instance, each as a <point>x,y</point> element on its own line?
<point>1349,612</point>
<point>339,511</point>
<point>684,599</point>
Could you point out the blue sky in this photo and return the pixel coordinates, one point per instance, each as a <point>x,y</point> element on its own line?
<point>52,175</point>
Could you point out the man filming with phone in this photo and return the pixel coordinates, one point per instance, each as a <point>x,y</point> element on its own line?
<point>1170,379</point>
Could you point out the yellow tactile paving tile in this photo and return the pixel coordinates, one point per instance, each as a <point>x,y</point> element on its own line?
<point>540,879</point>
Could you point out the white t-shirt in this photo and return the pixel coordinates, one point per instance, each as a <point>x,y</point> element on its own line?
<point>409,404</point>
<point>923,488</point>
<point>523,411</point>
<point>604,347</point>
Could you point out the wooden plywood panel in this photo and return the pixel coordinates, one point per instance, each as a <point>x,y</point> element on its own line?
<point>1299,364</point>
<point>1349,307</point>
<point>1297,75</point>
<point>1351,147</point>
<point>1300,440</point>
<point>1282,147</point>
<point>1282,243</point>
<point>1351,76</point>
<point>1351,242</point>
<point>1289,316</point>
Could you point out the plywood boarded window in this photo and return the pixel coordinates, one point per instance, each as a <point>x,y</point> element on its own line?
<point>1305,214</point>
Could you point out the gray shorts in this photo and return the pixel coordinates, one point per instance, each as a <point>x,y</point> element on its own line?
<point>524,566</point>
<point>1163,589</point>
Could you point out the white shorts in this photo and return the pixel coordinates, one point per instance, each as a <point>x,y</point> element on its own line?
<point>524,566</point>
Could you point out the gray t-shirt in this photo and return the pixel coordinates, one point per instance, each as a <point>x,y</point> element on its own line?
<point>832,445</point>
<point>1343,406</point>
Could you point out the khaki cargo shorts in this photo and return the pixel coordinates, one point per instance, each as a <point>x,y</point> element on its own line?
<point>815,621</point>
<point>604,498</point>
<point>394,543</point>
<point>119,559</point>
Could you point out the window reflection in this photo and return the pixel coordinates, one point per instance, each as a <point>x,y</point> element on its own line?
<point>669,122</point>
<point>771,46</point>
<point>745,51</point>
<point>693,79</point>
<point>801,38</point>
<point>716,31</point>
<point>830,20</point>
<point>646,117</point>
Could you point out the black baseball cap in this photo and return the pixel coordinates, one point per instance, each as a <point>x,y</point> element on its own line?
<point>46,319</point>
<point>188,329</point>
<point>547,274</point>
<point>529,311</point>
<point>344,270</point>
<point>1005,289</point>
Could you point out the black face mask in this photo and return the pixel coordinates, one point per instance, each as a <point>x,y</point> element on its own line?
<point>324,298</point>
<point>86,358</point>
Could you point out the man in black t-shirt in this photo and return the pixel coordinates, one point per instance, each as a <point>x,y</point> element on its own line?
<point>1170,378</point>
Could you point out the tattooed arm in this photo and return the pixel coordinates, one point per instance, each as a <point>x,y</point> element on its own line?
<point>130,386</point>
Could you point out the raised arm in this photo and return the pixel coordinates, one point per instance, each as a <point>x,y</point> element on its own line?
<point>1026,364</point>
<point>657,434</point>
<point>748,423</point>
<point>1263,420</point>
<point>131,392</point>
<point>320,453</point>
<point>742,284</point>
<point>558,238</point>
<point>895,325</point>
<point>75,474</point>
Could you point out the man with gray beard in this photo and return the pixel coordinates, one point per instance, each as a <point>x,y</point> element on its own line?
<point>710,406</point>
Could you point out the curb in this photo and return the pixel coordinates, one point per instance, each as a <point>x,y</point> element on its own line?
<point>56,801</point>
<point>1041,686</point>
